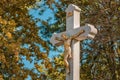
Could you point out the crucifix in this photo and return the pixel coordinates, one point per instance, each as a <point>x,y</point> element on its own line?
<point>71,40</point>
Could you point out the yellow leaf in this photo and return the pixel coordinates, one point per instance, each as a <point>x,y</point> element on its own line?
<point>119,8</point>
<point>9,35</point>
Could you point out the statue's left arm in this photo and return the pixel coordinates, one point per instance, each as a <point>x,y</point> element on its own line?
<point>77,34</point>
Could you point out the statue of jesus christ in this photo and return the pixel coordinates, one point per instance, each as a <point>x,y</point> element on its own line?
<point>67,40</point>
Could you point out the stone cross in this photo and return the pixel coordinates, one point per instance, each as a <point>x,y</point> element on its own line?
<point>72,28</point>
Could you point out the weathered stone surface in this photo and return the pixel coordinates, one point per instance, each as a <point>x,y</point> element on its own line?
<point>90,32</point>
<point>72,28</point>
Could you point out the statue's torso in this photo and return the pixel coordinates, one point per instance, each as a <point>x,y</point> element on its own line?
<point>67,44</point>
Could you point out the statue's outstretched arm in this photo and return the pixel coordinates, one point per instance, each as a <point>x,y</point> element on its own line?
<point>76,35</point>
<point>59,39</point>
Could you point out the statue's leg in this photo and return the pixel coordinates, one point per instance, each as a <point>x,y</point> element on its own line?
<point>66,63</point>
<point>70,53</point>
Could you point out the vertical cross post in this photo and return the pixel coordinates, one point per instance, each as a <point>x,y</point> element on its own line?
<point>72,29</point>
<point>73,22</point>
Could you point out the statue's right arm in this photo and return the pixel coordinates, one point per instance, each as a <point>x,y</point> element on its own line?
<point>59,39</point>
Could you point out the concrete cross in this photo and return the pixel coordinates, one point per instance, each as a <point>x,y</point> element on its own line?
<point>72,28</point>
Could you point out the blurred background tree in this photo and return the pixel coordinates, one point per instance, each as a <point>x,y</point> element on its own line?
<point>20,38</point>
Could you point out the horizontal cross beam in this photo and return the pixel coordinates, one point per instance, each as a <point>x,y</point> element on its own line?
<point>90,32</point>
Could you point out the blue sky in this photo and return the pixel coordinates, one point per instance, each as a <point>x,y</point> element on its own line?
<point>46,15</point>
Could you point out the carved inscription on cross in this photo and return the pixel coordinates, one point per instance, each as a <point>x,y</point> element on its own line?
<point>71,40</point>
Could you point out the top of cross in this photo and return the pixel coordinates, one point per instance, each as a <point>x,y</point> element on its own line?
<point>73,7</point>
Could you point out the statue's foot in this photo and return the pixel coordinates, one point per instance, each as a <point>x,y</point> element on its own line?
<point>70,56</point>
<point>67,71</point>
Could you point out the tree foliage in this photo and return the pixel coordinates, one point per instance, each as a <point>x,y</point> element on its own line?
<point>19,39</point>
<point>53,70</point>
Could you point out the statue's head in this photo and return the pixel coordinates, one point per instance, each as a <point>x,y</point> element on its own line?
<point>64,36</point>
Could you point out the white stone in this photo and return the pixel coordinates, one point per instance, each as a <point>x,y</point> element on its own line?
<point>73,7</point>
<point>73,27</point>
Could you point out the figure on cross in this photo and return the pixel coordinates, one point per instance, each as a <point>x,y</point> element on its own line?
<point>67,40</point>
<point>71,40</point>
